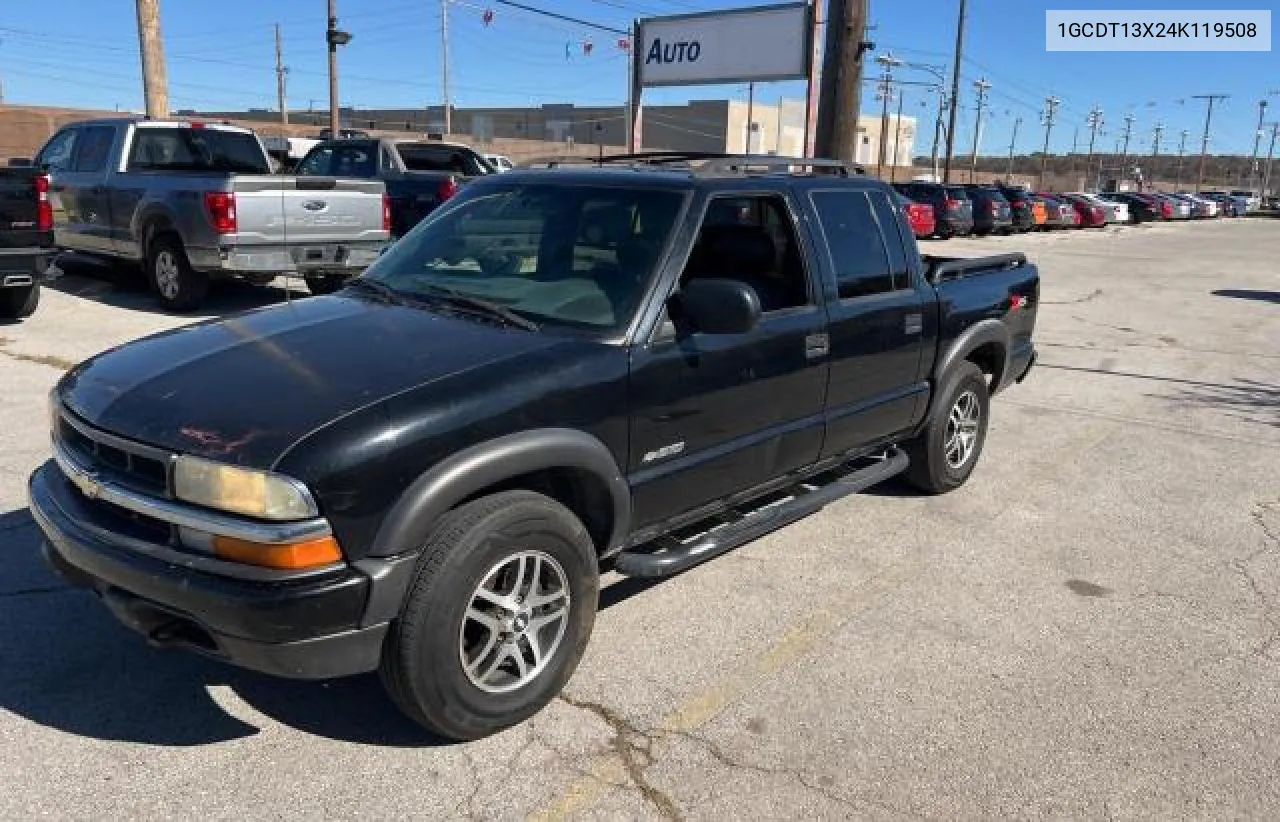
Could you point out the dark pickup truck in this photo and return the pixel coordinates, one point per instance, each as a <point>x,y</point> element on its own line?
<point>419,174</point>
<point>561,371</point>
<point>26,239</point>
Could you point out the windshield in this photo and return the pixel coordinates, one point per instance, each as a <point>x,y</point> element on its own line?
<point>196,149</point>
<point>574,256</point>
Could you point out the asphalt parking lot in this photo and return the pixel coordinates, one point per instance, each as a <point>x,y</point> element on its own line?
<point>1089,628</point>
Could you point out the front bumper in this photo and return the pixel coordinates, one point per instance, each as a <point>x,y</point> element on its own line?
<point>300,258</point>
<point>296,626</point>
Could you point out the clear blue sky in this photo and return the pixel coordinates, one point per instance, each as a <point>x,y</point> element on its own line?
<point>221,55</point>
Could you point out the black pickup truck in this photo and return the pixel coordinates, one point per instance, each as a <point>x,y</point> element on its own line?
<point>560,371</point>
<point>26,239</point>
<point>419,174</point>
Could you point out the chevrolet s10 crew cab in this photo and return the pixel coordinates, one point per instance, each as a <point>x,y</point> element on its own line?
<point>636,366</point>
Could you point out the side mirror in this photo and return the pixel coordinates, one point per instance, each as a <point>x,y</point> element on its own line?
<point>715,306</point>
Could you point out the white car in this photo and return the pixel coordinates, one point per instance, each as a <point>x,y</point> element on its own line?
<point>1214,206</point>
<point>500,162</point>
<point>1119,211</point>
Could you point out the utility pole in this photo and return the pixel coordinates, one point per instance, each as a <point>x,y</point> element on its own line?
<point>955,93</point>
<point>937,129</point>
<point>334,37</point>
<point>1204,143</point>
<point>1050,111</point>
<point>1094,120</point>
<point>1156,134</point>
<point>1013,141</point>
<point>751,113</point>
<point>840,97</point>
<point>982,86</point>
<point>886,91</point>
<point>1266,177</point>
<point>444,66</point>
<point>1128,133</point>
<point>281,71</point>
<point>1257,143</point>
<point>1182,150</point>
<point>897,135</point>
<point>155,77</point>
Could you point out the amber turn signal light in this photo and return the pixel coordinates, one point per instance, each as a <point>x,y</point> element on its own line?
<point>293,556</point>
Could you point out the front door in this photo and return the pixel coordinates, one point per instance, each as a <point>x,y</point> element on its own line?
<point>93,200</point>
<point>877,320</point>
<point>715,414</point>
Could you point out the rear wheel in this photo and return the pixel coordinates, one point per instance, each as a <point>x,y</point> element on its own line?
<point>16,303</point>
<point>945,453</point>
<point>176,284</point>
<point>497,617</point>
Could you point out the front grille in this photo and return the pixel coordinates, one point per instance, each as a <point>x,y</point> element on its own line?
<point>135,466</point>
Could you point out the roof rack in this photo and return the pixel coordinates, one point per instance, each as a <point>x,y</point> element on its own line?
<point>708,162</point>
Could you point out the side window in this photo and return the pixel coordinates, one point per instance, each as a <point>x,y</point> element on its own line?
<point>387,163</point>
<point>751,239</point>
<point>891,230</point>
<point>92,148</point>
<point>857,250</point>
<point>56,154</point>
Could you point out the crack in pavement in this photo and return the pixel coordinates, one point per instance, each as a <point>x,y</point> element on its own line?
<point>468,801</point>
<point>1240,566</point>
<point>1086,298</point>
<point>635,748</point>
<point>42,359</point>
<point>860,803</point>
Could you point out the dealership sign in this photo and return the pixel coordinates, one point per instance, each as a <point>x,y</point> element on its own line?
<point>732,46</point>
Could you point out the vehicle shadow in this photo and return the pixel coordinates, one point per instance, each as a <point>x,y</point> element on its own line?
<point>121,286</point>
<point>1248,294</point>
<point>68,665</point>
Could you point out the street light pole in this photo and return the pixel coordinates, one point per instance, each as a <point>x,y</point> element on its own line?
<point>1182,150</point>
<point>1257,143</point>
<point>334,38</point>
<point>1208,119</point>
<point>1266,177</point>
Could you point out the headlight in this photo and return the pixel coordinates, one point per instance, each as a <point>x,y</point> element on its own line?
<point>241,490</point>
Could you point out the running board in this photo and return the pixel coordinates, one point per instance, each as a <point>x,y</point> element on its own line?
<point>668,554</point>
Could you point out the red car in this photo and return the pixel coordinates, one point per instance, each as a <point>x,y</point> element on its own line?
<point>1088,214</point>
<point>921,217</point>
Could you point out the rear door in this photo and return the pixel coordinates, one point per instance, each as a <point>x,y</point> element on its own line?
<point>876,318</point>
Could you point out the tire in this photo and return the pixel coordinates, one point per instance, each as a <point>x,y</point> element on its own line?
<point>174,282</point>
<point>17,303</point>
<point>931,470</point>
<point>321,284</point>
<point>475,545</point>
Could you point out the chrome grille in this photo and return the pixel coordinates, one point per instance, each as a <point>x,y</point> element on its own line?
<point>133,465</point>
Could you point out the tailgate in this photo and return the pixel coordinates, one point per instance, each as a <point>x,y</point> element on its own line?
<point>18,209</point>
<point>308,210</point>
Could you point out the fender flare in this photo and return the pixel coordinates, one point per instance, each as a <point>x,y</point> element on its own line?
<point>153,219</point>
<point>410,521</point>
<point>979,334</point>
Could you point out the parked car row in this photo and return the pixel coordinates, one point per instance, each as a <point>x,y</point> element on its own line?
<point>945,210</point>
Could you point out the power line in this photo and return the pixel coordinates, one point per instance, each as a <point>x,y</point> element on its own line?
<point>564,17</point>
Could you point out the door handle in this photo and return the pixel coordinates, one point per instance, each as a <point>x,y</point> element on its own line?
<point>913,324</point>
<point>816,346</point>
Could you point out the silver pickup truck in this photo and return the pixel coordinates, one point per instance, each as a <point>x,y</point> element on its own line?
<point>194,201</point>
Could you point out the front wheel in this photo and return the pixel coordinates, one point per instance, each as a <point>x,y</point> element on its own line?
<point>945,453</point>
<point>497,617</point>
<point>17,303</point>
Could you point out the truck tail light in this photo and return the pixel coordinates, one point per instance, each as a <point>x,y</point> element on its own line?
<point>995,209</point>
<point>448,188</point>
<point>1018,203</point>
<point>44,209</point>
<point>952,205</point>
<point>221,206</point>
<point>386,212</point>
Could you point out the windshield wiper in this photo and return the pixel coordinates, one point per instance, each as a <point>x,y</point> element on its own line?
<point>380,290</point>
<point>467,302</point>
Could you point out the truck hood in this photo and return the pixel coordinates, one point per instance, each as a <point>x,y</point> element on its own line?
<point>243,389</point>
